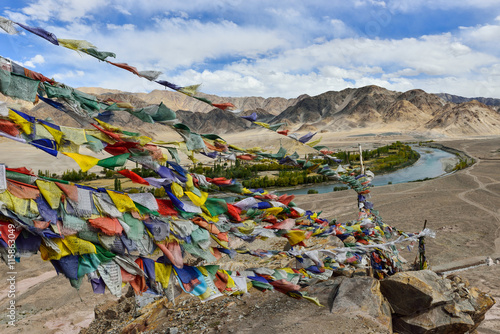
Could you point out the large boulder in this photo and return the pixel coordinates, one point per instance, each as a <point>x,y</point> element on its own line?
<point>360,298</point>
<point>414,291</point>
<point>441,319</point>
<point>426,303</point>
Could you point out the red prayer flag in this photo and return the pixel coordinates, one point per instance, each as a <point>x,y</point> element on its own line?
<point>133,176</point>
<point>223,106</point>
<point>125,66</point>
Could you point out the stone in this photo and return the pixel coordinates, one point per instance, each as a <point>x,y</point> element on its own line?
<point>481,302</point>
<point>435,320</point>
<point>414,291</point>
<point>360,298</point>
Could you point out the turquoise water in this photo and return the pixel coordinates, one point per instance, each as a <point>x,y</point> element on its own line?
<point>431,164</point>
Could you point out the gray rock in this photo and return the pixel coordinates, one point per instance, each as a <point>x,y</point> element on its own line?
<point>360,298</point>
<point>414,291</point>
<point>442,319</point>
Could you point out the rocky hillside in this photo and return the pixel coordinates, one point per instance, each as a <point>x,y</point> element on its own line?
<point>406,303</point>
<point>177,101</point>
<point>489,101</point>
<point>375,107</point>
<point>372,108</point>
<point>215,121</point>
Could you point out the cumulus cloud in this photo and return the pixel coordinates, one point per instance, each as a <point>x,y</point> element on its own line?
<point>38,59</point>
<point>68,75</point>
<point>125,27</point>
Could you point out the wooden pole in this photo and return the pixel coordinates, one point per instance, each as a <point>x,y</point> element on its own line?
<point>422,260</point>
<point>361,159</point>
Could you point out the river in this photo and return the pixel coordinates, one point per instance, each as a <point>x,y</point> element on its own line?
<point>432,163</point>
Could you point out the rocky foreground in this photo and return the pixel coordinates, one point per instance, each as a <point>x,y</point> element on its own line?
<point>408,302</point>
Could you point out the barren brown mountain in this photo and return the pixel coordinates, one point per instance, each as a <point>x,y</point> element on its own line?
<point>370,108</point>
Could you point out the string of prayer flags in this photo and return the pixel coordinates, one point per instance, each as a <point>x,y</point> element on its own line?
<point>128,229</point>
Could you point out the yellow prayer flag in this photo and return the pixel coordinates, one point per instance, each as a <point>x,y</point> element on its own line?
<point>314,300</point>
<point>50,192</point>
<point>78,246</point>
<point>108,126</point>
<point>85,162</point>
<point>26,126</point>
<point>236,148</point>
<point>143,140</point>
<point>101,136</point>
<point>34,207</point>
<point>177,190</point>
<point>314,143</point>
<point>198,201</point>
<point>122,202</point>
<point>189,181</point>
<point>6,198</point>
<point>47,253</point>
<point>207,217</point>
<point>273,211</point>
<point>262,124</point>
<point>162,272</point>
<point>20,205</point>
<point>56,134</point>
<point>295,236</point>
<point>190,90</point>
<point>74,135</point>
<point>75,44</point>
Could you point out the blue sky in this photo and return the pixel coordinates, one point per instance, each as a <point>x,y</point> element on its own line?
<point>267,48</point>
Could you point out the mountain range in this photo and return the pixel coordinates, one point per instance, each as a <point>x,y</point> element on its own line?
<point>370,108</point>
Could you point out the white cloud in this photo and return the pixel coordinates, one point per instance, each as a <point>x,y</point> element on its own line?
<point>414,5</point>
<point>340,29</point>
<point>38,59</point>
<point>125,27</point>
<point>64,10</point>
<point>121,9</point>
<point>68,75</point>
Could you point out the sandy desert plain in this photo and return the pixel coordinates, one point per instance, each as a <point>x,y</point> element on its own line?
<point>463,208</point>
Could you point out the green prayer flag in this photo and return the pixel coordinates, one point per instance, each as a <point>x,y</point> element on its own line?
<point>87,263</point>
<point>175,155</point>
<point>142,115</point>
<point>101,55</point>
<point>18,86</point>
<point>103,255</point>
<point>164,114</point>
<point>203,99</point>
<point>94,144</point>
<point>19,177</point>
<point>116,161</point>
<point>211,136</point>
<point>143,210</point>
<point>136,227</point>
<point>216,206</point>
<point>275,127</point>
<point>58,92</point>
